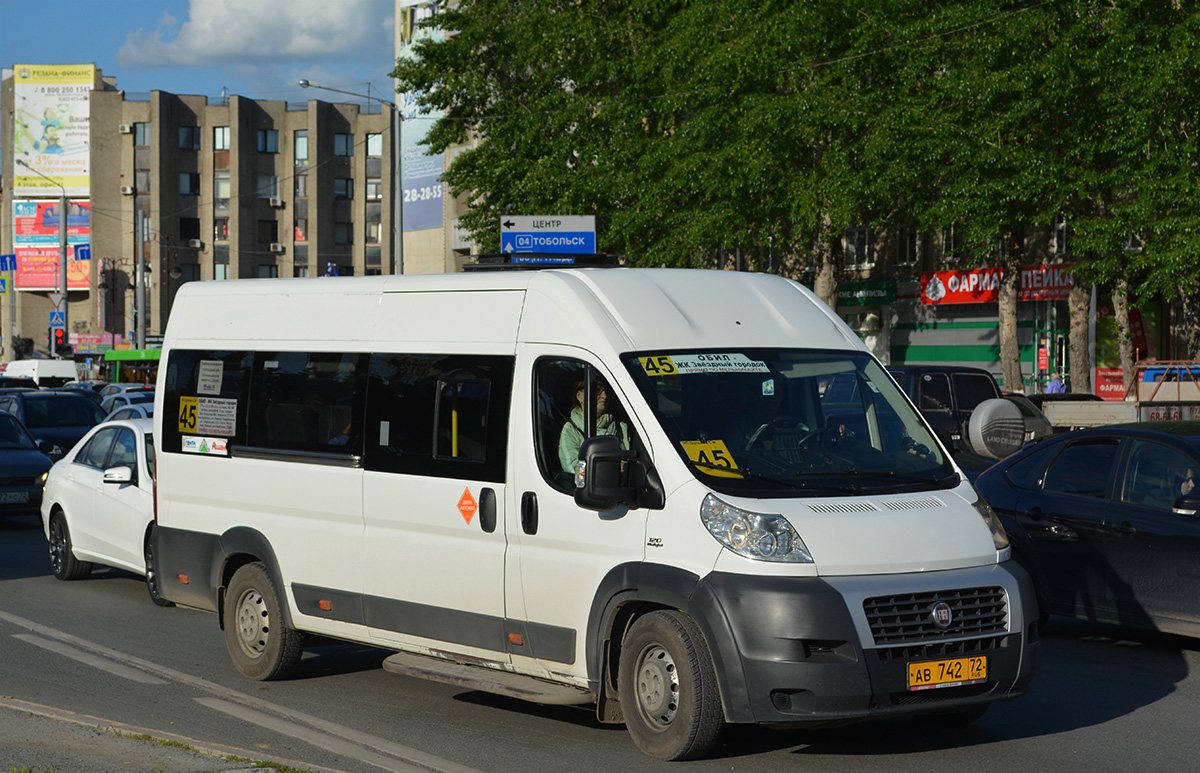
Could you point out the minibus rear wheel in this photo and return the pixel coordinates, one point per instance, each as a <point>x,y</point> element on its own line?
<point>261,646</point>
<point>668,687</point>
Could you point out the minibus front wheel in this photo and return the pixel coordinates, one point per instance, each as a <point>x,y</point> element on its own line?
<point>261,645</point>
<point>668,687</point>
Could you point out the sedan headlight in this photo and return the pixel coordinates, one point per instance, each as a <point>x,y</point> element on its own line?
<point>999,536</point>
<point>753,535</point>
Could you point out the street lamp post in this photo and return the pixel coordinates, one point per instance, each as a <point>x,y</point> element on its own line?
<point>397,171</point>
<point>62,246</point>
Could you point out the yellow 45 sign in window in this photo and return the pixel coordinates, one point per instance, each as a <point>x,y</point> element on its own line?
<point>713,455</point>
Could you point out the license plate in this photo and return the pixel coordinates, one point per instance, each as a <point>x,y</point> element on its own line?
<point>14,497</point>
<point>947,673</point>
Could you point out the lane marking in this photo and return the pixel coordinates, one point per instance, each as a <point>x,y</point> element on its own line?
<point>403,753</point>
<point>89,659</point>
<point>329,743</point>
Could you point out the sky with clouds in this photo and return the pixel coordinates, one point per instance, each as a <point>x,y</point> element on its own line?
<point>253,48</point>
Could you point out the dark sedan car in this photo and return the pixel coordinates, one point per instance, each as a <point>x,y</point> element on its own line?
<point>60,417</point>
<point>22,467</point>
<point>1107,521</point>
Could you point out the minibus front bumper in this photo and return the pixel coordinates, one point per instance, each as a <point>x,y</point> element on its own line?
<point>815,650</point>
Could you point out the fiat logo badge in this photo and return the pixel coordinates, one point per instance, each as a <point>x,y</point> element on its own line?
<point>941,614</point>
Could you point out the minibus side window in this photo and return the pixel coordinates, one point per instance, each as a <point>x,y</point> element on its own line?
<point>308,401</point>
<point>442,415</point>
<point>205,396</point>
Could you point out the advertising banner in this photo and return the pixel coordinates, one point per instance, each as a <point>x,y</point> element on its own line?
<point>421,172</point>
<point>982,285</point>
<point>35,242</point>
<point>50,128</point>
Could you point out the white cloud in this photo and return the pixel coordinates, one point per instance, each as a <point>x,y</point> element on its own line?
<point>222,33</point>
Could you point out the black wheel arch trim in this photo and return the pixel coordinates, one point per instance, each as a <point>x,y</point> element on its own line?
<point>239,546</point>
<point>667,587</point>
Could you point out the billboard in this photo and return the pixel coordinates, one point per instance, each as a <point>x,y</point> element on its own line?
<point>50,128</point>
<point>982,285</point>
<point>35,242</point>
<point>420,175</point>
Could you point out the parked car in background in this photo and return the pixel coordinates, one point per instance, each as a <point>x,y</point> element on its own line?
<point>122,399</point>
<point>98,506</point>
<point>116,389</point>
<point>967,410</point>
<point>59,417</point>
<point>1107,521</point>
<point>23,467</point>
<point>138,411</point>
<point>89,385</point>
<point>45,372</point>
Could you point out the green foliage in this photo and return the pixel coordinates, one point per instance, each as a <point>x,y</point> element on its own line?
<point>690,128</point>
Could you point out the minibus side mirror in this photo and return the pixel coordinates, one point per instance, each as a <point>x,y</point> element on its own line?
<point>613,477</point>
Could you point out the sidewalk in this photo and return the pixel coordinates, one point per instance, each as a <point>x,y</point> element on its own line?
<point>35,738</point>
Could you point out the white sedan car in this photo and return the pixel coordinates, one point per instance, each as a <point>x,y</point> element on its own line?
<point>98,504</point>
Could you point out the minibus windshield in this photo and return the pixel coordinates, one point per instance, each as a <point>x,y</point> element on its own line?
<point>790,422</point>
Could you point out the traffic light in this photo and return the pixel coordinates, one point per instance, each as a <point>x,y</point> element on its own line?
<point>60,340</point>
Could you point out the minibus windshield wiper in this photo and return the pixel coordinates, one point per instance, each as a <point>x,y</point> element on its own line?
<point>746,472</point>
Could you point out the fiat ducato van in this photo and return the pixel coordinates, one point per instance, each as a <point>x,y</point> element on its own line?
<point>686,497</point>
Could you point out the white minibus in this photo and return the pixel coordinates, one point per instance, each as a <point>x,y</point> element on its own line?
<point>687,497</point>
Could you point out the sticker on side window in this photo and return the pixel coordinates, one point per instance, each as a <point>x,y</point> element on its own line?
<point>207,416</point>
<point>732,362</point>
<point>713,456</point>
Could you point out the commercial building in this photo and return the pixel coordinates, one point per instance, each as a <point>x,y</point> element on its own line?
<point>202,188</point>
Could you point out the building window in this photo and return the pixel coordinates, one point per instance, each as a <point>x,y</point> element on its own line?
<point>189,137</point>
<point>301,229</point>
<point>301,186</point>
<point>220,229</point>
<point>268,187</point>
<point>374,189</point>
<point>908,246</point>
<point>950,244</point>
<point>860,248</point>
<point>343,144</point>
<point>301,142</point>
<point>300,272</point>
<point>141,135</point>
<point>343,233</point>
<point>220,271</point>
<point>267,271</point>
<point>189,184</point>
<point>268,231</point>
<point>220,138</point>
<point>1060,235</point>
<point>343,188</point>
<point>374,145</point>
<point>268,141</point>
<point>373,232</point>
<point>189,228</point>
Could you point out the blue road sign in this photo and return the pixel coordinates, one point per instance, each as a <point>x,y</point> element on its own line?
<point>83,252</point>
<point>3,285</point>
<point>58,319</point>
<point>570,234</point>
<point>8,262</point>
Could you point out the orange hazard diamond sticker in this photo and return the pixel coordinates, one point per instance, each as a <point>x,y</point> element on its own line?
<point>467,506</point>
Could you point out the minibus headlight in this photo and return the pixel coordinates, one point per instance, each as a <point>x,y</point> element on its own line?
<point>999,536</point>
<point>753,535</point>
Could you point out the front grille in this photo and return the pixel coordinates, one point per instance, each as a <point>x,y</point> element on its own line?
<point>940,650</point>
<point>908,618</point>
